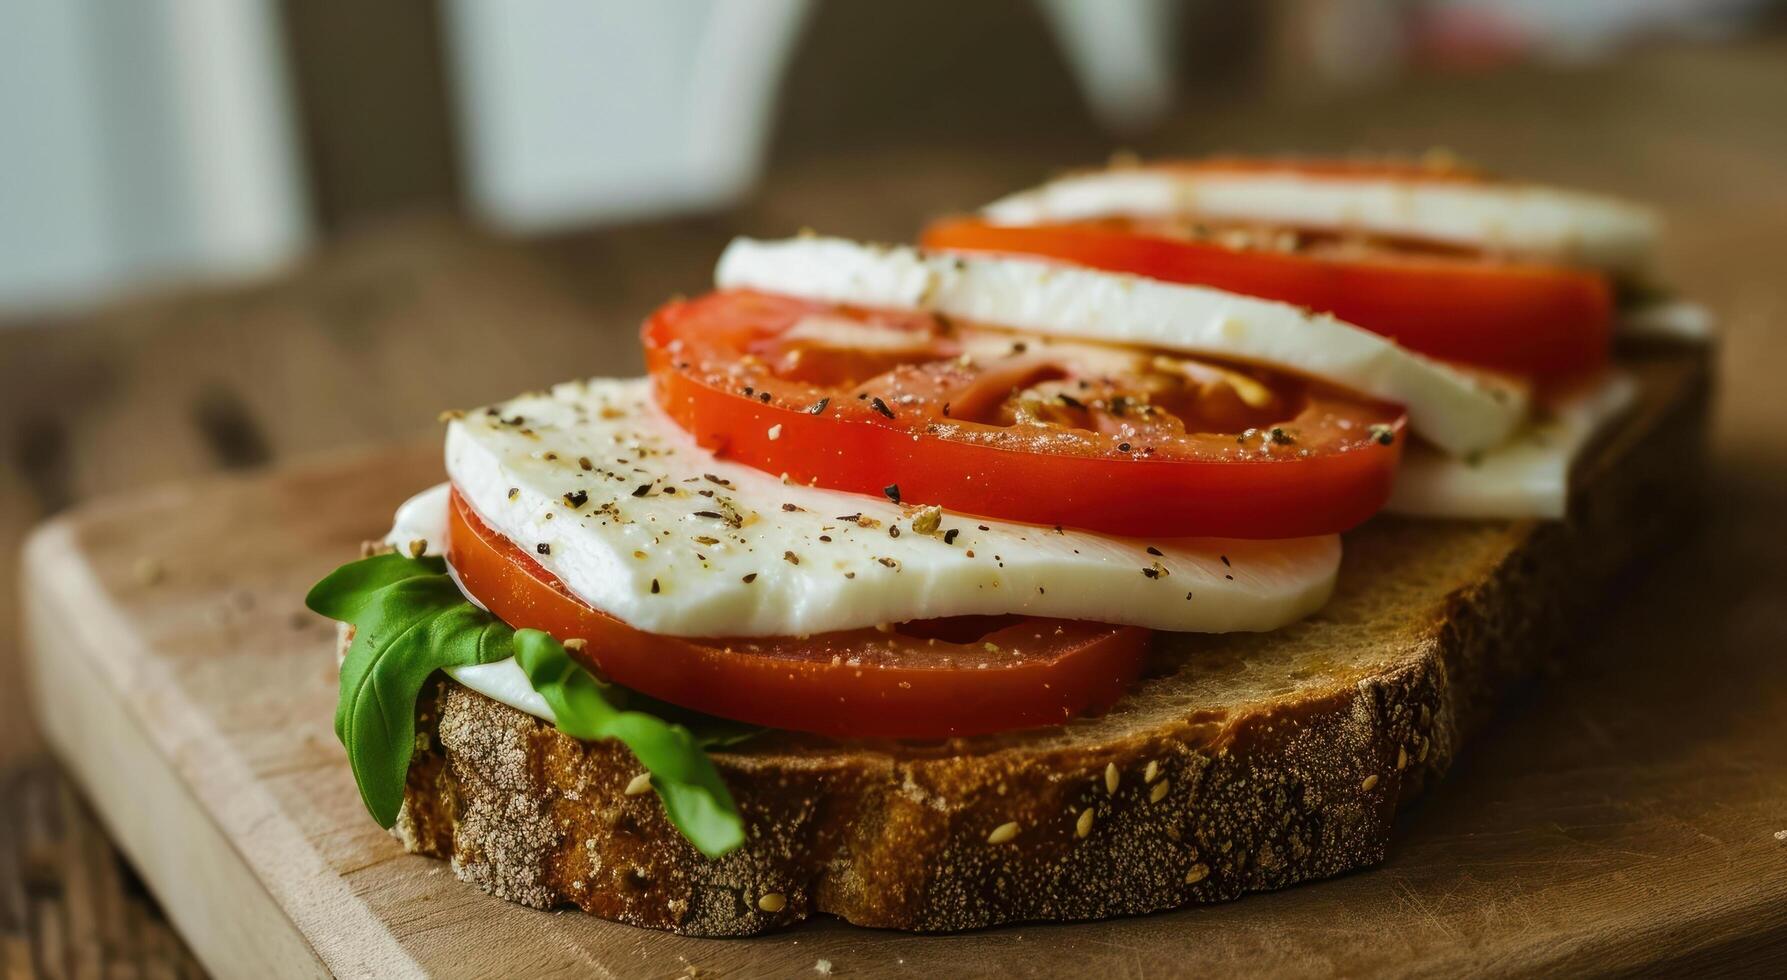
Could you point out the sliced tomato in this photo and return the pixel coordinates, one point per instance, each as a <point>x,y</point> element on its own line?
<point>932,679</point>
<point>990,423</point>
<point>1533,320</point>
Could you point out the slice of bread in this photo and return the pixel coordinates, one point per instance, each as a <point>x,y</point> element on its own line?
<point>1244,762</point>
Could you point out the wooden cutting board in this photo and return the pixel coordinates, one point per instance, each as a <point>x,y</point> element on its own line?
<point>1628,814</point>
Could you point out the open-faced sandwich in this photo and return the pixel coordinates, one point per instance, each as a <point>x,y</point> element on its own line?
<point>1036,574</point>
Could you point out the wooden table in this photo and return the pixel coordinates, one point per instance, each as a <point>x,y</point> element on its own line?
<point>365,343</point>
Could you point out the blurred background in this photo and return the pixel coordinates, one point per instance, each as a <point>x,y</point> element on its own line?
<point>234,232</point>
<point>163,141</point>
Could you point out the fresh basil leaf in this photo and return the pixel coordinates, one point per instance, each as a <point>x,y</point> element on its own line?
<point>1632,293</point>
<point>695,799</point>
<point>409,621</point>
<point>344,593</point>
<point>710,732</point>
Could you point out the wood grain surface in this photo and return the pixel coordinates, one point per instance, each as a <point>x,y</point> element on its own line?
<point>69,906</point>
<point>366,342</point>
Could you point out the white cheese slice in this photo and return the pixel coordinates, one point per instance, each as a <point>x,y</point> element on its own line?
<point>659,534</point>
<point>1670,319</point>
<point>423,518</point>
<point>1522,220</point>
<point>505,681</point>
<point>1528,477</point>
<point>1460,411</point>
<point>421,523</point>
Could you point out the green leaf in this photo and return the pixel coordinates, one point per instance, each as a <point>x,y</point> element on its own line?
<point>710,732</point>
<point>695,799</point>
<point>410,620</point>
<point>1631,293</point>
<point>345,592</point>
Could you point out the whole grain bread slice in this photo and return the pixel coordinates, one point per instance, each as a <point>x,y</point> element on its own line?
<point>1243,763</point>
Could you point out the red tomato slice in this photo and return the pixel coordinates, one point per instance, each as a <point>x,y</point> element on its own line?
<point>1532,320</point>
<point>932,679</point>
<point>986,422</point>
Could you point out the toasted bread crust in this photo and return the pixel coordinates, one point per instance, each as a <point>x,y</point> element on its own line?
<point>1247,763</point>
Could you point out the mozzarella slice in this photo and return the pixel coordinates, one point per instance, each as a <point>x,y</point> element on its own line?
<point>1528,477</point>
<point>1459,411</point>
<point>1669,319</point>
<point>1503,218</point>
<point>505,681</point>
<point>659,534</point>
<point>421,525</point>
